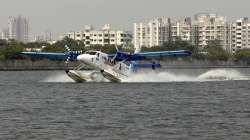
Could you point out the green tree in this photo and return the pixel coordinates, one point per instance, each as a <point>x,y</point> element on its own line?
<point>242,55</point>
<point>3,43</point>
<point>216,52</point>
<point>12,50</point>
<point>105,49</point>
<point>178,44</point>
<point>59,46</point>
<point>36,44</point>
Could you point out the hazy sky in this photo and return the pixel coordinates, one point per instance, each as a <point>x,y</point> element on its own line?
<point>64,15</point>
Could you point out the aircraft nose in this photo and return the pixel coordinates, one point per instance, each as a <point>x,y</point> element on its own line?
<point>82,58</point>
<point>78,57</point>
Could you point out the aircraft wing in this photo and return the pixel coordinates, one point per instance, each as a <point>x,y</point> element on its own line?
<point>120,56</point>
<point>48,55</point>
<point>159,54</point>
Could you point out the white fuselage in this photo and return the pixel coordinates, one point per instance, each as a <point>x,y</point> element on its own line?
<point>113,71</point>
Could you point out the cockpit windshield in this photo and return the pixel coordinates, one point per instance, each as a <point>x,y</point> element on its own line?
<point>91,52</point>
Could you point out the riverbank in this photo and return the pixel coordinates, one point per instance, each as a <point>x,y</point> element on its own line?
<point>22,65</point>
<point>28,65</point>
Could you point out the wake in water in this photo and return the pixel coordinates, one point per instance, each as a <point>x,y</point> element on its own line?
<point>212,75</point>
<point>60,77</point>
<point>222,74</point>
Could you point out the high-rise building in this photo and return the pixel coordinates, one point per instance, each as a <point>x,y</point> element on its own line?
<point>207,27</point>
<point>103,37</point>
<point>5,34</point>
<point>160,30</point>
<point>240,34</point>
<point>18,28</point>
<point>182,29</point>
<point>152,33</point>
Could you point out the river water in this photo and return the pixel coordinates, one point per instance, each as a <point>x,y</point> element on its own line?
<point>175,104</point>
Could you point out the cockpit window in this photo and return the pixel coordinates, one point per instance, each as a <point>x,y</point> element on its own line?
<point>91,52</point>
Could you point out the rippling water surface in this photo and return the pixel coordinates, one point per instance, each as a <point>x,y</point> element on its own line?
<point>48,105</point>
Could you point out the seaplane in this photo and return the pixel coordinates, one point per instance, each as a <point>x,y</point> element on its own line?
<point>112,67</point>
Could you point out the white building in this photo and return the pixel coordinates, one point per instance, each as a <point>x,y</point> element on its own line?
<point>103,37</point>
<point>152,33</point>
<point>158,31</point>
<point>45,37</point>
<point>18,28</point>
<point>182,29</point>
<point>208,27</point>
<point>5,34</point>
<point>240,34</point>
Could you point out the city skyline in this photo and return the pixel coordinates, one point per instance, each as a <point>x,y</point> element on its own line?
<point>64,15</point>
<point>18,29</point>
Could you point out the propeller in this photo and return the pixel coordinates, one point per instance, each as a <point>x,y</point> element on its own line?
<point>68,54</point>
<point>71,55</point>
<point>67,48</point>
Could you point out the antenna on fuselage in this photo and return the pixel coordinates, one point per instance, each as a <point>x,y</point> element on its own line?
<point>117,50</point>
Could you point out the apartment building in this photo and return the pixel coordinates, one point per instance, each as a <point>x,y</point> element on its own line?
<point>5,34</point>
<point>18,28</point>
<point>160,30</point>
<point>103,37</point>
<point>240,34</point>
<point>208,27</point>
<point>182,29</point>
<point>45,37</point>
<point>152,33</point>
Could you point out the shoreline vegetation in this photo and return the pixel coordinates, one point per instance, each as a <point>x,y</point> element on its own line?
<point>213,56</point>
